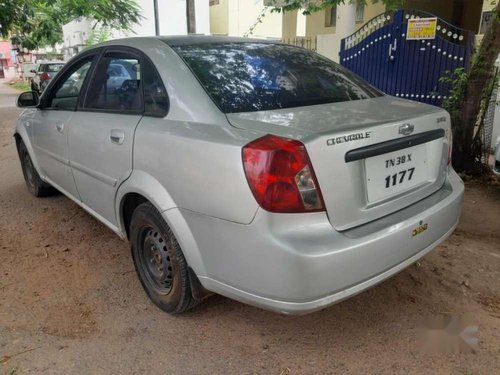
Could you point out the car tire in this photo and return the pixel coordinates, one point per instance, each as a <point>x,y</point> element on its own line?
<point>159,261</point>
<point>36,186</point>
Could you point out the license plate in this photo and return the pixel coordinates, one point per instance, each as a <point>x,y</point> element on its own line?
<point>395,172</point>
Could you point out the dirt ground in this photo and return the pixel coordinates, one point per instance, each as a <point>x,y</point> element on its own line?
<point>70,302</point>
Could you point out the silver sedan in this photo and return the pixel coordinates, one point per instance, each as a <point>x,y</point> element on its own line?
<point>257,170</point>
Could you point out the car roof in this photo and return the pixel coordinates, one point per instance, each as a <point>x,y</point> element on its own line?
<point>210,39</point>
<point>180,40</point>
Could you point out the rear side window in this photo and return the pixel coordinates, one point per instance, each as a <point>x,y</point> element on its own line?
<point>244,77</point>
<point>155,96</point>
<point>116,84</point>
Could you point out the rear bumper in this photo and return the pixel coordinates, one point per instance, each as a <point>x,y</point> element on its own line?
<point>297,264</point>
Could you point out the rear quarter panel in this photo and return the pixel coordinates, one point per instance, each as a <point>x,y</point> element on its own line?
<point>198,164</point>
<point>193,152</point>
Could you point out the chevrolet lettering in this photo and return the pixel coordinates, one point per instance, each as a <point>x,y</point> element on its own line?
<point>348,138</point>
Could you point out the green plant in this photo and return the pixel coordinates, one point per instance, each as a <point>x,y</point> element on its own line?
<point>97,36</point>
<point>259,19</point>
<point>457,80</point>
<point>21,86</point>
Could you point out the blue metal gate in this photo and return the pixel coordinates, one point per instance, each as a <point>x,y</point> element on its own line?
<point>380,53</point>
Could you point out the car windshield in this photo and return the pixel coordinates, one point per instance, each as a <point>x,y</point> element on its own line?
<point>245,77</point>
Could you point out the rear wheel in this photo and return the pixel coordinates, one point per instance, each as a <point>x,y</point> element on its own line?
<point>35,185</point>
<point>159,261</point>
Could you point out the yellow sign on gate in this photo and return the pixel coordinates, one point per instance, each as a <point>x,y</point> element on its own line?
<point>421,28</point>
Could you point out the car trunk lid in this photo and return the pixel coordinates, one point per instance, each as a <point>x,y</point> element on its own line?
<point>371,157</point>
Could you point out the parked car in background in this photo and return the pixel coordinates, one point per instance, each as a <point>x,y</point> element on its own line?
<point>44,73</point>
<point>257,170</point>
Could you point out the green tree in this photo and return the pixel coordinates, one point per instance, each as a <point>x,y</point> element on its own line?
<point>39,22</point>
<point>470,91</point>
<point>480,77</point>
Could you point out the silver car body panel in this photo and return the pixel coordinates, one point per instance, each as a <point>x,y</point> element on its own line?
<point>189,166</point>
<point>296,264</point>
<point>100,147</point>
<point>50,139</point>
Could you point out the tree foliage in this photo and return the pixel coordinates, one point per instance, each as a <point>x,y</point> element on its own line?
<point>311,6</point>
<point>39,22</point>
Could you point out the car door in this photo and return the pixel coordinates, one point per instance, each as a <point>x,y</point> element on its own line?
<point>102,132</point>
<point>52,124</point>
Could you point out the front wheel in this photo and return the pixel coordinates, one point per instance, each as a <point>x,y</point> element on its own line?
<point>34,183</point>
<point>159,261</point>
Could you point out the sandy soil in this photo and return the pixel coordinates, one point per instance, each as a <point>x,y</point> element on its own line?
<point>70,302</point>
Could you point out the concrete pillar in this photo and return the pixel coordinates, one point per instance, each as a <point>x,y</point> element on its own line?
<point>301,23</point>
<point>329,44</point>
<point>346,19</point>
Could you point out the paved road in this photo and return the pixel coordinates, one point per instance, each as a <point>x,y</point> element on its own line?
<point>8,95</point>
<point>70,302</point>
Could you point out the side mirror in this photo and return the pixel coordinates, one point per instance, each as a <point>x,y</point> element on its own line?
<point>32,71</point>
<point>28,99</point>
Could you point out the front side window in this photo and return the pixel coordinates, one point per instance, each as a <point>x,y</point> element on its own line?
<point>244,77</point>
<point>116,84</point>
<point>66,92</point>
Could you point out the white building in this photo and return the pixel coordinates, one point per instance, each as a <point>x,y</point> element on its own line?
<point>75,34</point>
<point>171,14</point>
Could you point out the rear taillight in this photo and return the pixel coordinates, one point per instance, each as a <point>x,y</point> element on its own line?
<point>281,176</point>
<point>45,76</point>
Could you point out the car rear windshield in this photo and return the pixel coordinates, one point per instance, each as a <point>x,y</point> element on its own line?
<point>245,77</point>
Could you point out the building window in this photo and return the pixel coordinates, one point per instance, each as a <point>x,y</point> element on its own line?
<point>360,10</point>
<point>213,2</point>
<point>331,17</point>
<point>486,20</point>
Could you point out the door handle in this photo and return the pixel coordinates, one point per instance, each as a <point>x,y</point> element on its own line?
<point>60,127</point>
<point>393,49</point>
<point>117,136</point>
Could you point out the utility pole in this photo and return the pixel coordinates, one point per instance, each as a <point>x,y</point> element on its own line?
<point>190,17</point>
<point>157,20</point>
